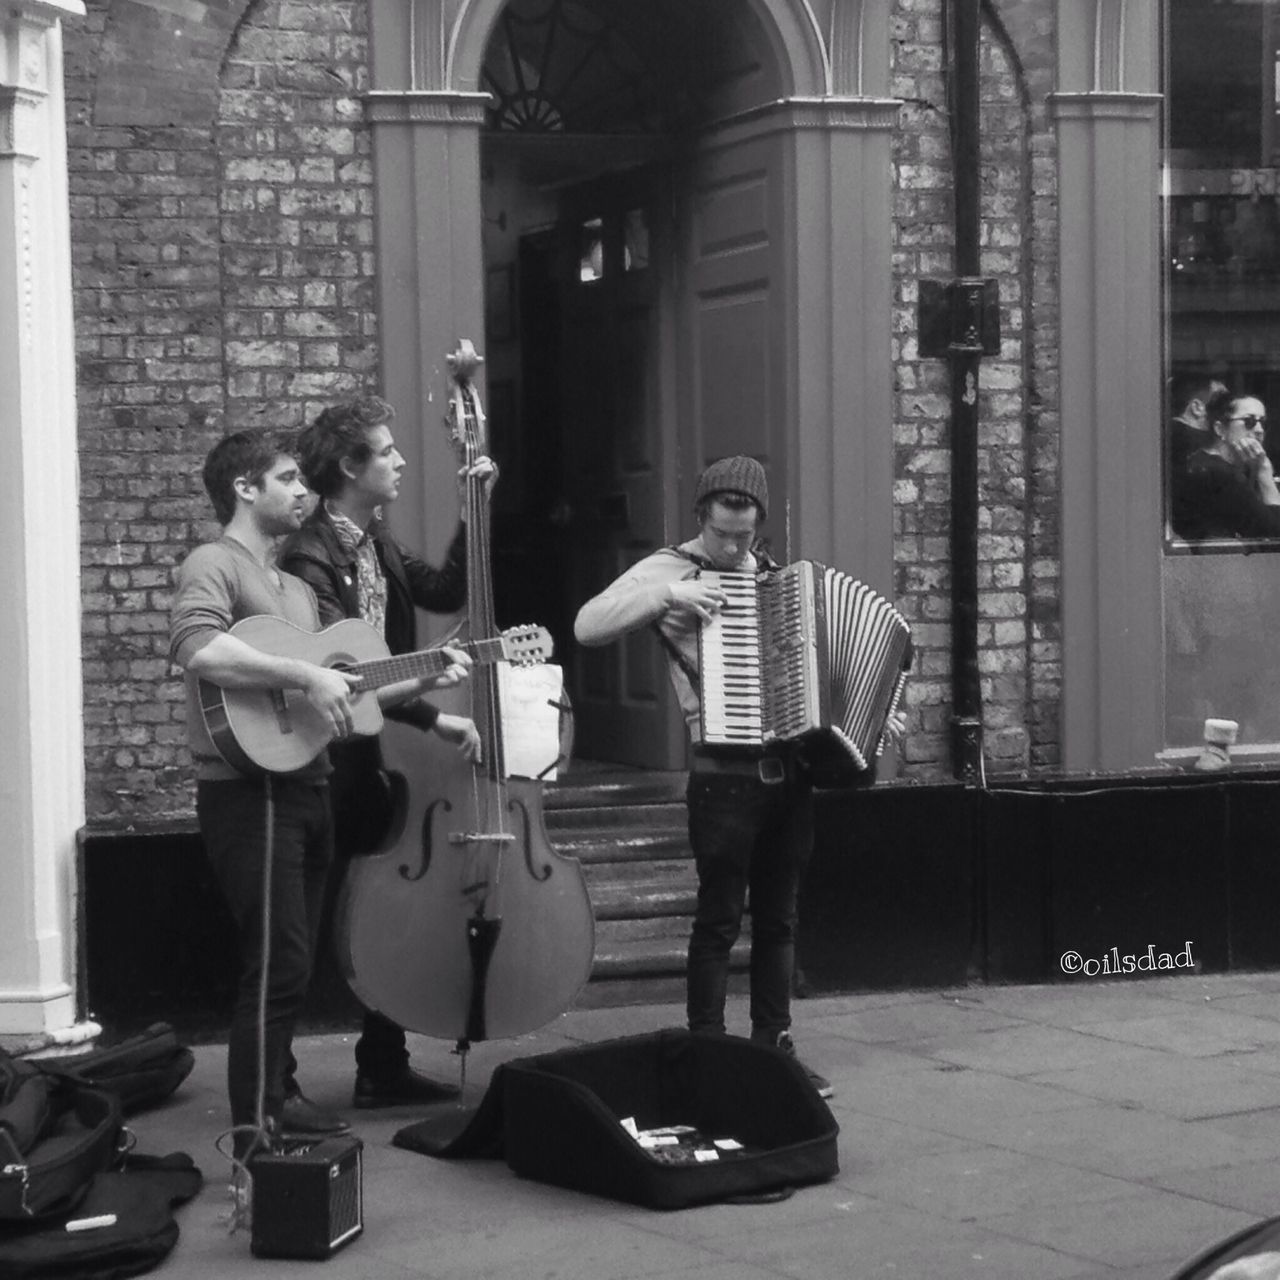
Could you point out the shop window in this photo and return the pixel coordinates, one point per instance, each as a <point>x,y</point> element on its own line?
<point>1222,340</point>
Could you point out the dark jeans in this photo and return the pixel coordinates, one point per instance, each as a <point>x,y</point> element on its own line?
<point>232,817</point>
<point>363,811</point>
<point>748,837</point>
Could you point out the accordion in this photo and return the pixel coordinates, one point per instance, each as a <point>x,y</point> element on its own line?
<point>807,653</point>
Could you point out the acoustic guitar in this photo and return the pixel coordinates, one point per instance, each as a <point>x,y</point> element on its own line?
<point>278,730</point>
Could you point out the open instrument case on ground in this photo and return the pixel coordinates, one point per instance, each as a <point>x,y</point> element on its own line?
<point>559,1118</point>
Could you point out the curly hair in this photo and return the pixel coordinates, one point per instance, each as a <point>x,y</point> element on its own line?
<point>339,432</point>
<point>248,454</point>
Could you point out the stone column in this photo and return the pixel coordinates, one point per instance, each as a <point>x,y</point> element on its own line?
<point>42,780</point>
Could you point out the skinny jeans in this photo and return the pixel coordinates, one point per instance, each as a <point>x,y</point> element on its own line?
<point>751,840</point>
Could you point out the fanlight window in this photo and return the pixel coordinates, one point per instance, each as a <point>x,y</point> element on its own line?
<point>564,66</point>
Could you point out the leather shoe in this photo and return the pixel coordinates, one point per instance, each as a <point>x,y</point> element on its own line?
<point>403,1089</point>
<point>300,1117</point>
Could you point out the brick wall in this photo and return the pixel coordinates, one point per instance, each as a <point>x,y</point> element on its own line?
<point>1018,638</point>
<point>223,278</point>
<point>222,239</point>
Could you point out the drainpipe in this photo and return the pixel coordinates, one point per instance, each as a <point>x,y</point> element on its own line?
<point>959,320</point>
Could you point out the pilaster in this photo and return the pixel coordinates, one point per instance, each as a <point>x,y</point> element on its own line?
<point>1108,158</point>
<point>42,798</point>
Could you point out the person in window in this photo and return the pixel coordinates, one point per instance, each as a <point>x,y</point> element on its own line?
<point>1188,429</point>
<point>1228,488</point>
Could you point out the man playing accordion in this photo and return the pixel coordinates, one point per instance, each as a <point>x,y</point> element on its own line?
<point>750,811</point>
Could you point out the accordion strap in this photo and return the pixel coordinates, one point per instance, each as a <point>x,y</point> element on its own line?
<point>673,652</point>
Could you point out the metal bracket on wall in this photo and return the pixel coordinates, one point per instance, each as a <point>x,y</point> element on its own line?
<point>960,316</point>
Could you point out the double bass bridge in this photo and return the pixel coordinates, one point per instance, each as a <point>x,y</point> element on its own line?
<point>481,837</point>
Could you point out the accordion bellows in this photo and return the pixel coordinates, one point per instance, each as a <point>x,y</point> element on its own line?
<point>805,652</point>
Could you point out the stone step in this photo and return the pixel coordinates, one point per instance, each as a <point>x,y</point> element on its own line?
<point>659,930</point>
<point>629,830</point>
<point>608,789</point>
<point>606,992</point>
<point>643,900</point>
<point>640,872</point>
<point>669,815</point>
<point>651,929</point>
<point>644,958</point>
<point>606,844</point>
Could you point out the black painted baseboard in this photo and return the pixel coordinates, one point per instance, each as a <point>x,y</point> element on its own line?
<point>909,886</point>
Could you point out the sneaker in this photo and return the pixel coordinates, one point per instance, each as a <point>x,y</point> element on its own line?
<point>820,1083</point>
<point>301,1118</point>
<point>406,1088</point>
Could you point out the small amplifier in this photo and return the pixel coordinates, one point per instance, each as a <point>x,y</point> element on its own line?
<point>308,1199</point>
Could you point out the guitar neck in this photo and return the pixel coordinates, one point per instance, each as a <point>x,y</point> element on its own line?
<point>380,672</point>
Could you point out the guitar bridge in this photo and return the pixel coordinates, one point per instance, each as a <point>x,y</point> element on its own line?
<point>280,705</point>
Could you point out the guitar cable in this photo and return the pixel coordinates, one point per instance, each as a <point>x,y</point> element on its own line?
<point>241,1177</point>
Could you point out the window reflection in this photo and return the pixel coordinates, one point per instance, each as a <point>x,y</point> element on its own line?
<point>591,255</point>
<point>1222,225</point>
<point>1222,336</point>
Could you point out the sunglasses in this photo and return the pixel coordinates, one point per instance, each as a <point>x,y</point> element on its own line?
<point>1250,420</point>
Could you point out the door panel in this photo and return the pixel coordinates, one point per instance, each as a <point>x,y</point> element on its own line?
<point>734,342</point>
<point>614,477</point>
<point>733,350</point>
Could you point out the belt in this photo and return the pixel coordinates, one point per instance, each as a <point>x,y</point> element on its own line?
<point>767,768</point>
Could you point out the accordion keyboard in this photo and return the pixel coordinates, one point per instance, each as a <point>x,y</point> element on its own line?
<point>732,692</point>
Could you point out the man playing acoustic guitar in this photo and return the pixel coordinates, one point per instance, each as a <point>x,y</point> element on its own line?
<point>258,495</point>
<point>357,569</point>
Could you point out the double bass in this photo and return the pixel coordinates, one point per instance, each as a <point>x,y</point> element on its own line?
<point>469,925</point>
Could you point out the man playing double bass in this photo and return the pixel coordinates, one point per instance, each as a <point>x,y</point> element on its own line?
<point>358,570</point>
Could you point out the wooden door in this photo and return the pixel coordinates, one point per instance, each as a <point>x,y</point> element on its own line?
<point>737,342</point>
<point>615,393</point>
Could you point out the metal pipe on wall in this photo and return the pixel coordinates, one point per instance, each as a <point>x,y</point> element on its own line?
<point>965,352</point>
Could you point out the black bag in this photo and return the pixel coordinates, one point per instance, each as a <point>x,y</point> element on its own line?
<point>141,1071</point>
<point>557,1118</point>
<point>141,1198</point>
<point>55,1134</point>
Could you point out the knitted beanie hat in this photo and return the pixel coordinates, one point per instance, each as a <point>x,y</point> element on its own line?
<point>735,475</point>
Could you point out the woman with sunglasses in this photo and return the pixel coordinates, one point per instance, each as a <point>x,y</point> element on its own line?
<point>1228,488</point>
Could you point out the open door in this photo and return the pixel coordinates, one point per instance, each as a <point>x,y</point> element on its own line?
<point>615,407</point>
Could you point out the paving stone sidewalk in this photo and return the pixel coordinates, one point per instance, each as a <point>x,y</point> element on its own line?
<point>1108,1129</point>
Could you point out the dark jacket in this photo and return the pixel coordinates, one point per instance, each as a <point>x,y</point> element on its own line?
<point>362,802</point>
<point>1213,498</point>
<point>316,556</point>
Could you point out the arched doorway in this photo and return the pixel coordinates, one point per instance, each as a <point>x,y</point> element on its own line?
<point>595,184</point>
<point>669,230</point>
